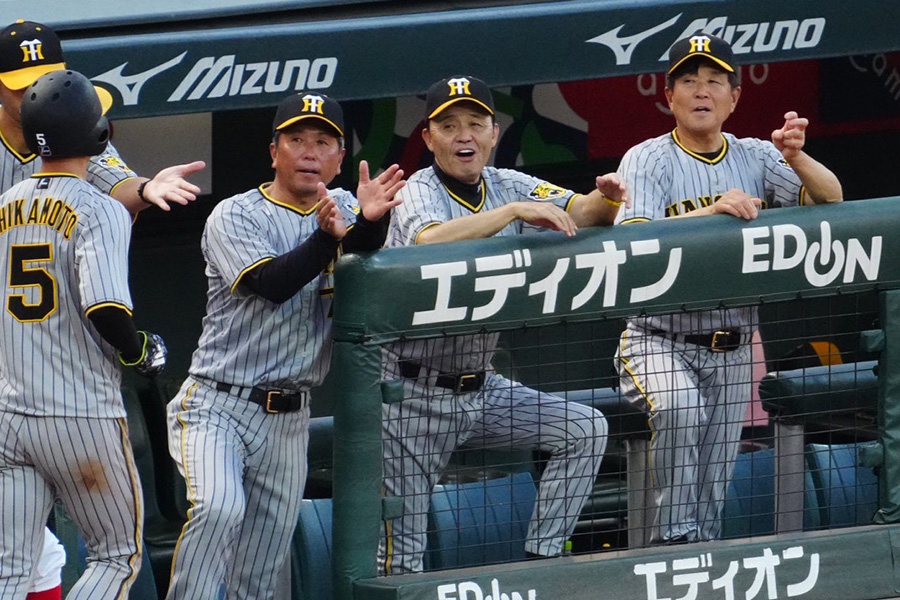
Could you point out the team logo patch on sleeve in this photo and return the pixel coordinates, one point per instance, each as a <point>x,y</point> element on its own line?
<point>785,164</point>
<point>115,163</point>
<point>546,190</point>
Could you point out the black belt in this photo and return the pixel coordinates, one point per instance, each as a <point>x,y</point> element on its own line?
<point>461,383</point>
<point>272,401</point>
<point>717,341</point>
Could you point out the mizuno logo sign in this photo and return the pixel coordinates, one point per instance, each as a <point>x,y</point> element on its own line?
<point>215,77</point>
<point>745,38</point>
<point>623,47</point>
<point>129,86</point>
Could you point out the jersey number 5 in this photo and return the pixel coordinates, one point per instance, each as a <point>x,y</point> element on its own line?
<point>23,275</point>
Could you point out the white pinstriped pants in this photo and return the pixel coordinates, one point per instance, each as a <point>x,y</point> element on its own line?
<point>245,471</point>
<point>87,463</point>
<point>422,432</point>
<point>697,400</point>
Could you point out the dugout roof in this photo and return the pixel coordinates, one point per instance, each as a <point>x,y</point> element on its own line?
<point>170,56</point>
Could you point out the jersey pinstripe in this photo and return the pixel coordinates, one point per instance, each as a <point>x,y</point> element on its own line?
<point>696,398</point>
<point>64,251</point>
<point>666,179</point>
<point>248,340</point>
<point>105,171</point>
<point>422,431</point>
<point>427,202</point>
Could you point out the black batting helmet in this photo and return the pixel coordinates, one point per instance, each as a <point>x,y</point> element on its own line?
<point>62,116</point>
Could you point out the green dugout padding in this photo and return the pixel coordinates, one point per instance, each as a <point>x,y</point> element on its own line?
<point>601,275</point>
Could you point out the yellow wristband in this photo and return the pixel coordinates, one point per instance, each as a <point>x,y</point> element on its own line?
<point>611,202</point>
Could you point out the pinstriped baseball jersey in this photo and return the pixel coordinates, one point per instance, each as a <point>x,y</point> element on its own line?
<point>666,179</point>
<point>427,202</point>
<point>105,171</point>
<point>248,340</point>
<point>64,252</point>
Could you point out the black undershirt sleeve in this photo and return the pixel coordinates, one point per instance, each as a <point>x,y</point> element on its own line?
<point>115,325</point>
<point>279,279</point>
<point>366,235</point>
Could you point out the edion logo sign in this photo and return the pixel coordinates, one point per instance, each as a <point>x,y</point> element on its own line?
<point>470,590</point>
<point>785,247</point>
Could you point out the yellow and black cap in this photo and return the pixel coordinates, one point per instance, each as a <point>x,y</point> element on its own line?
<point>701,45</point>
<point>27,51</point>
<point>457,89</point>
<point>309,105</point>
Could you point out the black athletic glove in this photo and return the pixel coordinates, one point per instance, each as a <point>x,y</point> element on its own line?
<point>153,355</point>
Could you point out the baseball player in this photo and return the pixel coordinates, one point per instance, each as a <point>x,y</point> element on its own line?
<point>29,50</point>
<point>692,371</point>
<point>452,395</point>
<point>238,427</point>
<point>66,327</point>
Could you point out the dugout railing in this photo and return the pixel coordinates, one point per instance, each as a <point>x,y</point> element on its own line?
<point>807,256</point>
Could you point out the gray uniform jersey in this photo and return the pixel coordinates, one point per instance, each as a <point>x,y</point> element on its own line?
<point>65,251</point>
<point>248,340</point>
<point>666,179</point>
<point>427,202</point>
<point>105,171</point>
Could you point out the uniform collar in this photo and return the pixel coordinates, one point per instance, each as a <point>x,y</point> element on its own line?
<point>470,195</point>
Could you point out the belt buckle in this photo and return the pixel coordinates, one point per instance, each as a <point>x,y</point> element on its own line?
<point>270,396</point>
<point>714,346</point>
<point>463,381</point>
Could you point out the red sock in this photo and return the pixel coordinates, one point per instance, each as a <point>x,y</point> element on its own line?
<point>51,594</point>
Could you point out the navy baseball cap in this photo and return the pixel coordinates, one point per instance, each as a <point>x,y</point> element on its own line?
<point>309,105</point>
<point>701,45</point>
<point>451,90</point>
<point>27,51</point>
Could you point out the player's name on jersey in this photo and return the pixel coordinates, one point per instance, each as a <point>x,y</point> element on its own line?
<point>51,212</point>
<point>690,204</point>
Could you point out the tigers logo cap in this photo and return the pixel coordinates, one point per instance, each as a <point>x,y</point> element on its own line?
<point>27,51</point>
<point>451,90</point>
<point>309,105</point>
<point>701,45</point>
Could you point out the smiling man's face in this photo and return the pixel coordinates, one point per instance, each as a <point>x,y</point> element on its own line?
<point>702,101</point>
<point>462,138</point>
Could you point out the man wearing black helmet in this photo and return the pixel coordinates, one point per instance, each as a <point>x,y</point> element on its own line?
<point>66,326</point>
<point>29,50</point>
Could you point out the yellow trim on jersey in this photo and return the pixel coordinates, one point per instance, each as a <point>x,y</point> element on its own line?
<point>22,159</point>
<point>138,512</point>
<point>466,204</point>
<point>388,548</point>
<point>265,194</point>
<point>418,233</point>
<point>640,388</point>
<point>802,200</point>
<point>708,161</point>
<point>635,220</point>
<point>247,270</point>
<point>120,182</point>
<point>60,174</point>
<point>572,201</point>
<point>191,495</point>
<point>91,309</point>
